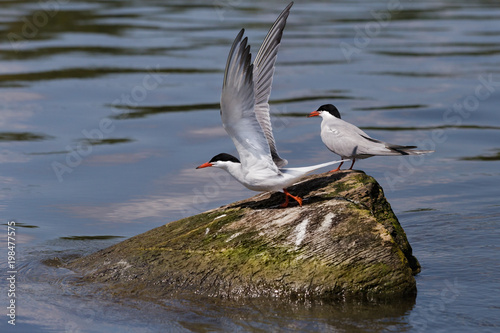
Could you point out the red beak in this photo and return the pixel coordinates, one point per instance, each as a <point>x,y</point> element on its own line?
<point>204,165</point>
<point>313,114</point>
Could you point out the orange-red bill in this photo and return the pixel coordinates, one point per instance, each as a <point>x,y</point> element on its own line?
<point>204,165</point>
<point>313,114</point>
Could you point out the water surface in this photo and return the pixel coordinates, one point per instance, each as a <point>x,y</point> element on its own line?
<point>106,108</point>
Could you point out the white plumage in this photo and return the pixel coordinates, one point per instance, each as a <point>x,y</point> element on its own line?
<point>245,117</point>
<point>350,142</point>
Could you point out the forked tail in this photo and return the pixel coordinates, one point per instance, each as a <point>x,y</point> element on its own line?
<point>412,152</point>
<point>308,169</point>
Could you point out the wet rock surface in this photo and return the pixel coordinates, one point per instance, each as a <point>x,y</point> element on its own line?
<point>345,241</point>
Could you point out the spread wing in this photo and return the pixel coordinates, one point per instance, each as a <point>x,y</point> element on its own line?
<point>237,109</point>
<point>263,72</point>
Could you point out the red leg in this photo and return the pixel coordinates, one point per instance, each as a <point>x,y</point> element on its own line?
<point>338,167</point>
<point>353,160</point>
<point>285,204</point>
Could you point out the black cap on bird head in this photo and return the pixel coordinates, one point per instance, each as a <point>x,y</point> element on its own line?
<point>330,108</point>
<point>223,157</point>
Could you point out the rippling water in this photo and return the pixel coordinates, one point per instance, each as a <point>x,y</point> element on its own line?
<point>106,107</point>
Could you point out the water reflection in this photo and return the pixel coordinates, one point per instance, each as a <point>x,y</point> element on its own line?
<point>87,73</point>
<point>75,310</point>
<point>24,225</point>
<point>491,157</point>
<point>62,77</point>
<point>109,141</point>
<point>391,107</point>
<point>23,136</point>
<point>144,111</point>
<point>84,238</point>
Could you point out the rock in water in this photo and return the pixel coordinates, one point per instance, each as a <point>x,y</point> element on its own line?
<point>345,241</point>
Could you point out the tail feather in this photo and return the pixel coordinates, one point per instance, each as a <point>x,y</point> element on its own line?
<point>308,169</point>
<point>388,145</point>
<point>401,150</point>
<point>417,152</point>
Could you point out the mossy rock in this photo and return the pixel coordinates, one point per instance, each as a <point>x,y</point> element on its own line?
<point>344,241</point>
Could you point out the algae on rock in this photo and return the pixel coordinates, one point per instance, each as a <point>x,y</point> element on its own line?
<point>345,240</point>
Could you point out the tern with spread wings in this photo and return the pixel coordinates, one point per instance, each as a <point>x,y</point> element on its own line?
<point>350,142</point>
<point>245,117</point>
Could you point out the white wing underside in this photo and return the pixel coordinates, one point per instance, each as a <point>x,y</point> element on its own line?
<point>245,99</point>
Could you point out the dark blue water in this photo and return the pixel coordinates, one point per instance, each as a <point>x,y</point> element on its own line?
<point>106,108</point>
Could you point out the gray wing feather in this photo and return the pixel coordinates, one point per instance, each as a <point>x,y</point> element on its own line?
<point>347,140</point>
<point>237,108</point>
<point>263,72</point>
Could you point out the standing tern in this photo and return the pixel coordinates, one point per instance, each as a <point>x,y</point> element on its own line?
<point>245,117</point>
<point>350,142</point>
